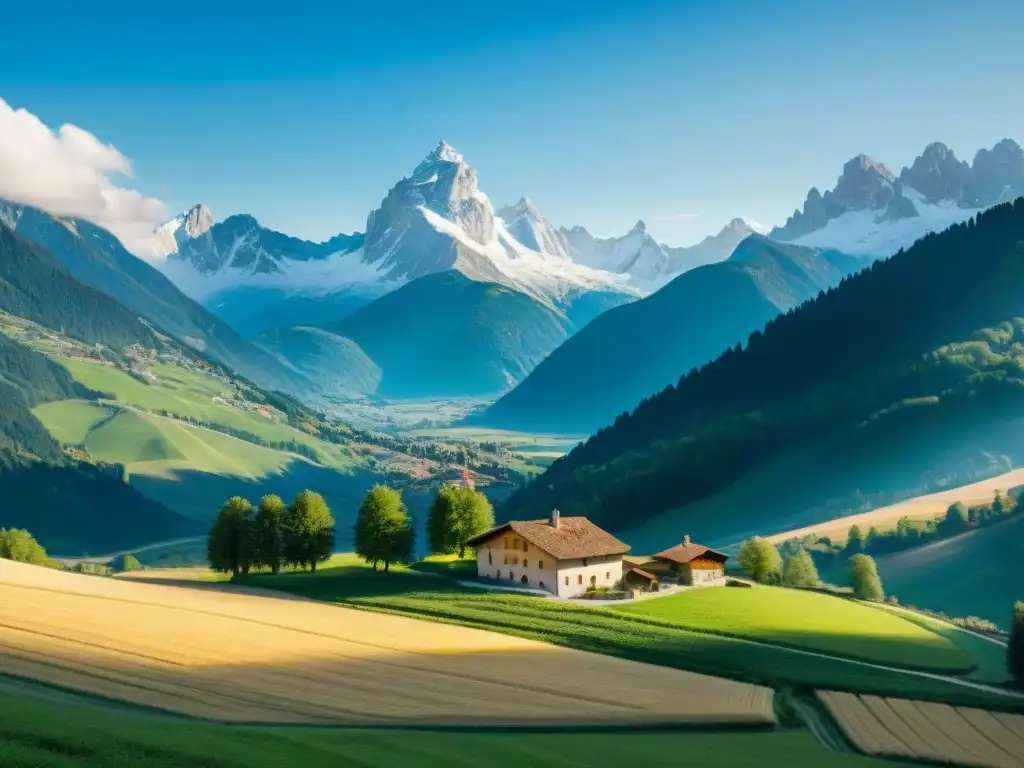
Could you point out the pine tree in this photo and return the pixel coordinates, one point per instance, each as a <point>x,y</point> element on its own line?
<point>309,530</point>
<point>383,531</point>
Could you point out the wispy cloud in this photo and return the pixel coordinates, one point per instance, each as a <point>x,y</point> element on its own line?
<point>70,172</point>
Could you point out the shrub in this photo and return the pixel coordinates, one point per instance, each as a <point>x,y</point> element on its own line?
<point>123,563</point>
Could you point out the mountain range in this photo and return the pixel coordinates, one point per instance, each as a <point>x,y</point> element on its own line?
<point>303,302</point>
<point>902,378</point>
<point>98,259</point>
<point>637,349</point>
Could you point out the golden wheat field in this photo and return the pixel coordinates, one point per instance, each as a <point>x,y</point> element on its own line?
<point>243,656</point>
<point>918,508</point>
<point>928,731</point>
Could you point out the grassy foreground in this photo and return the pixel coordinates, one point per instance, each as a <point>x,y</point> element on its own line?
<point>38,734</point>
<point>641,638</point>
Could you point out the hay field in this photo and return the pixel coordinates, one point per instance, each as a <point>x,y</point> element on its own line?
<point>928,731</point>
<point>249,656</point>
<point>919,508</point>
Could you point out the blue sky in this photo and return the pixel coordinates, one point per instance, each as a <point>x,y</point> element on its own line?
<point>685,114</point>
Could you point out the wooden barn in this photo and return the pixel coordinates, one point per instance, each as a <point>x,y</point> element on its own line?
<point>692,564</point>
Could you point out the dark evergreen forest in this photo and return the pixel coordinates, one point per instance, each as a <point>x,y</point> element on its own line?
<point>930,340</point>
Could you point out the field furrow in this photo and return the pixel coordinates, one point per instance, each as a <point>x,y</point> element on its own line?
<point>237,656</point>
<point>927,730</point>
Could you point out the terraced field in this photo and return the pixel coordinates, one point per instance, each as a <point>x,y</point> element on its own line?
<point>246,656</point>
<point>928,731</point>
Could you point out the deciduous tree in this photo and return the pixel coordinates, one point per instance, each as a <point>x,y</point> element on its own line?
<point>457,514</point>
<point>799,571</point>
<point>309,530</point>
<point>19,545</point>
<point>1015,651</point>
<point>760,559</point>
<point>229,547</point>
<point>269,532</point>
<point>383,531</point>
<point>864,578</point>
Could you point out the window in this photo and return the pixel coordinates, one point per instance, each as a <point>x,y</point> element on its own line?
<point>526,562</point>
<point>511,576</point>
<point>567,581</point>
<point>526,546</point>
<point>504,543</point>
<point>525,580</point>
<point>584,561</point>
<point>540,564</point>
<point>607,575</point>
<point>506,559</point>
<point>490,560</point>
<point>541,585</point>
<point>579,579</point>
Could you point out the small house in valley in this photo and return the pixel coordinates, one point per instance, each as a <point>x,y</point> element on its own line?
<point>562,555</point>
<point>692,564</point>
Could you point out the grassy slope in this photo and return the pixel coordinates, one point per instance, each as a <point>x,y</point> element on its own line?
<point>607,631</point>
<point>193,470</point>
<point>807,620</point>
<point>71,421</point>
<point>977,573</point>
<point>44,735</point>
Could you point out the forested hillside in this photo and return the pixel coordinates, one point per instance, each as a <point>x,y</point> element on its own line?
<point>96,258</point>
<point>929,341</point>
<point>636,349</point>
<point>34,285</point>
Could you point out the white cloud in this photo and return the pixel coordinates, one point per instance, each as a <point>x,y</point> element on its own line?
<point>68,172</point>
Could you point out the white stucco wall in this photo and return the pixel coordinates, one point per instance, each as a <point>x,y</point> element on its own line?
<point>492,558</point>
<point>574,575</point>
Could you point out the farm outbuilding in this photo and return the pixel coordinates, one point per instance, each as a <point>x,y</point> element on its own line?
<point>692,564</point>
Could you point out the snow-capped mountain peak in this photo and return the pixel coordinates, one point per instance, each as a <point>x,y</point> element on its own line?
<point>872,212</point>
<point>526,224</point>
<point>193,223</point>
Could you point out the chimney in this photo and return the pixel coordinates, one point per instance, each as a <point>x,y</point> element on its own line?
<point>686,540</point>
<point>555,514</point>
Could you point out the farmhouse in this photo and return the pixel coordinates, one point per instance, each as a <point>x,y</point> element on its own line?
<point>692,564</point>
<point>562,555</point>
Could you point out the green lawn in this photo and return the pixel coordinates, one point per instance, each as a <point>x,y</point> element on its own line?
<point>42,734</point>
<point>433,596</point>
<point>808,620</point>
<point>71,421</point>
<point>151,445</point>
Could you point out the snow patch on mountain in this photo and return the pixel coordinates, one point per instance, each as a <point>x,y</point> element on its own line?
<point>870,233</point>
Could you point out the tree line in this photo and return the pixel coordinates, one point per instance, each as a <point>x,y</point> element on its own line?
<point>907,533</point>
<point>885,367</point>
<point>271,535</point>
<point>385,533</point>
<point>766,565</point>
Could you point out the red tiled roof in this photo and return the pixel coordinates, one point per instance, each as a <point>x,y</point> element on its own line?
<point>574,537</point>
<point>684,553</point>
